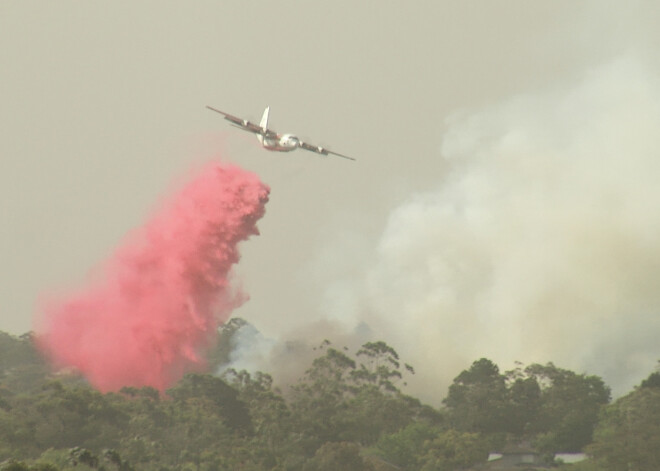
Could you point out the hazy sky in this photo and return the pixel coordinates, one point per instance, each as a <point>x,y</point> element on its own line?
<point>504,200</point>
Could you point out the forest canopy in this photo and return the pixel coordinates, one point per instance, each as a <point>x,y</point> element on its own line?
<point>348,411</point>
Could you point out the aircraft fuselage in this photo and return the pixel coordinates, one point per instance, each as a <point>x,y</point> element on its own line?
<point>283,143</point>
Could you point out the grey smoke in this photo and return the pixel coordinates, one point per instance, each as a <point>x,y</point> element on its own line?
<point>542,244</point>
<point>288,357</point>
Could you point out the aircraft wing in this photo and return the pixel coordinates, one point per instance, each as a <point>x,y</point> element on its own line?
<point>322,150</point>
<point>244,124</point>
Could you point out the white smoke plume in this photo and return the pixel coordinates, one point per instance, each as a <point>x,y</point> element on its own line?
<point>542,243</point>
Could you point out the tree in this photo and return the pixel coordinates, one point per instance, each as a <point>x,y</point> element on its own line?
<point>405,448</point>
<point>196,388</point>
<point>478,399</point>
<point>376,405</point>
<point>62,416</point>
<point>421,446</point>
<point>337,456</point>
<point>524,405</point>
<point>381,366</point>
<point>274,441</point>
<point>339,401</point>
<point>371,413</point>
<point>14,466</point>
<point>452,450</point>
<point>628,434</point>
<point>556,408</point>
<point>653,381</point>
<point>22,368</point>
<point>318,400</point>
<point>569,407</point>
<point>220,353</point>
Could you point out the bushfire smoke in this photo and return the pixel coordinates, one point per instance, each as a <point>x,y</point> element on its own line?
<point>154,306</point>
<point>542,242</point>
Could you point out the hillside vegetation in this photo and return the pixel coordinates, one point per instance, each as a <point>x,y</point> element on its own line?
<point>347,412</point>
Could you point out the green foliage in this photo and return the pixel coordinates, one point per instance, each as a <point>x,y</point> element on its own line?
<point>61,417</point>
<point>275,442</point>
<point>524,403</point>
<point>381,367</point>
<point>336,456</point>
<point>478,399</point>
<point>339,401</point>
<point>319,401</point>
<point>220,354</point>
<point>21,368</point>
<point>421,446</point>
<point>43,467</point>
<point>569,407</point>
<point>13,465</point>
<point>214,396</point>
<point>344,404</point>
<point>406,447</point>
<point>453,450</point>
<point>628,434</point>
<point>653,381</point>
<point>556,408</point>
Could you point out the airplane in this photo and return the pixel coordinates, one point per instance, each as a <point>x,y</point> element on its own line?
<point>272,140</point>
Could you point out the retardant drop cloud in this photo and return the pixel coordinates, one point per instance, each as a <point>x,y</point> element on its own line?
<point>155,305</point>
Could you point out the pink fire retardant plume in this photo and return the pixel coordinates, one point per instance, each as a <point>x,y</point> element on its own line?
<point>160,298</point>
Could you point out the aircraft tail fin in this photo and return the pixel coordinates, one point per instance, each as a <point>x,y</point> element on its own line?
<point>264,118</point>
<point>264,125</point>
